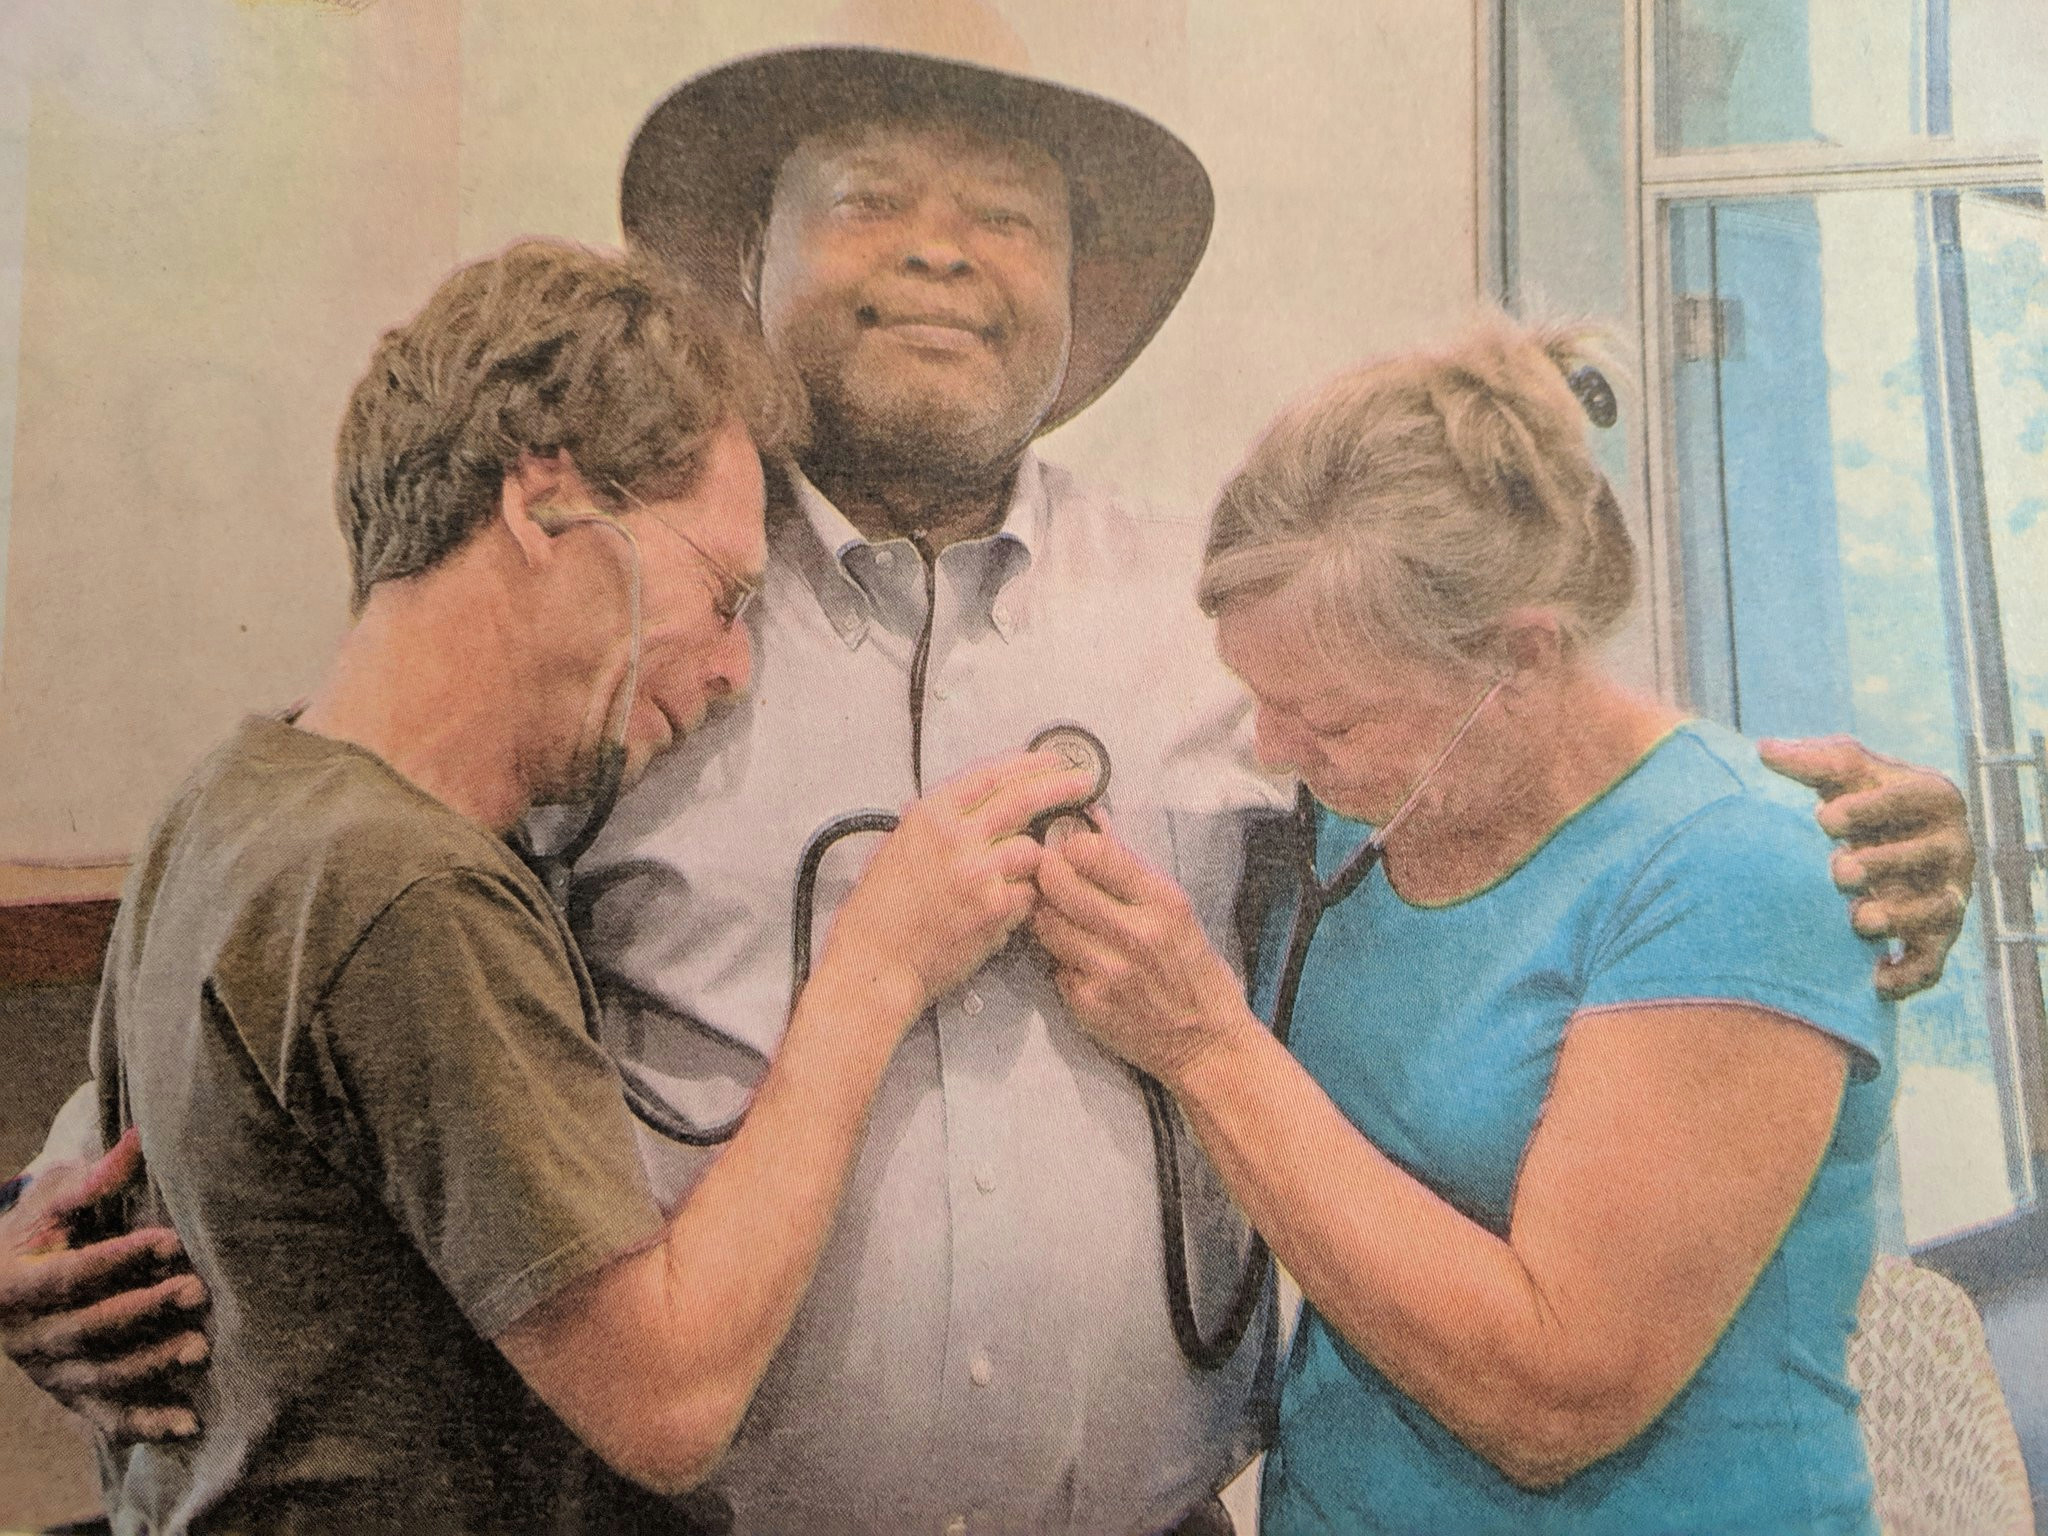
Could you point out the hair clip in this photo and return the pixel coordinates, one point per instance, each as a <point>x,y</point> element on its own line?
<point>1595,394</point>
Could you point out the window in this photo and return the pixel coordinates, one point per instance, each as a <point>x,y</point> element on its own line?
<point>1821,222</point>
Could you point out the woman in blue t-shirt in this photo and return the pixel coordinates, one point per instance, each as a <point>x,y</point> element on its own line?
<point>1572,1157</point>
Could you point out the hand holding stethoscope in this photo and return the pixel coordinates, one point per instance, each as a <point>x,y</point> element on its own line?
<point>955,876</point>
<point>1137,971</point>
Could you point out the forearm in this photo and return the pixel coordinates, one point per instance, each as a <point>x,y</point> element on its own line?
<point>739,1255</point>
<point>1447,1311</point>
<point>655,1361</point>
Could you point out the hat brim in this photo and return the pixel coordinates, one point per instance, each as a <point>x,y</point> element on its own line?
<point>702,168</point>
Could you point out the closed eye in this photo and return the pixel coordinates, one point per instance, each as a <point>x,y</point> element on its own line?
<point>870,201</point>
<point>1008,219</point>
<point>1336,730</point>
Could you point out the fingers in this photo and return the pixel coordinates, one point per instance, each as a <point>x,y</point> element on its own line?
<point>1088,970</point>
<point>151,1366</point>
<point>972,785</point>
<point>1020,799</point>
<point>1072,947</point>
<point>1934,915</point>
<point>1077,898</point>
<point>68,1278</point>
<point>1830,764</point>
<point>1918,864</point>
<point>105,1327</point>
<point>130,1422</point>
<point>1922,927</point>
<point>1871,801</point>
<point>1111,866</point>
<point>970,788</point>
<point>1017,859</point>
<point>1003,797</point>
<point>1916,968</point>
<point>1912,804</point>
<point>1909,850</point>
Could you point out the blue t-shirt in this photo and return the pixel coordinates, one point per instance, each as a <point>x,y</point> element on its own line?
<point>1699,875</point>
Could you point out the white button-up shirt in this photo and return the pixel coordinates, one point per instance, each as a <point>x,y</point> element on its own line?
<point>987,1339</point>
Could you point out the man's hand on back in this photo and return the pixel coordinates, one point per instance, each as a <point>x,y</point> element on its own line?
<point>108,1328</point>
<point>1908,861</point>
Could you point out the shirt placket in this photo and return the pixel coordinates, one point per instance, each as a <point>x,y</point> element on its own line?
<point>978,1394</point>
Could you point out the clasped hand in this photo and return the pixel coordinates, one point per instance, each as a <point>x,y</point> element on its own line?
<point>954,880</point>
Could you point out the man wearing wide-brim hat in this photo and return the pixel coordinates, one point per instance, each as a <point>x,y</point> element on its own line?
<point>955,259</point>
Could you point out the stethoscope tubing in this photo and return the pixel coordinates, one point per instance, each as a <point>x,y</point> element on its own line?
<point>1314,897</point>
<point>1255,1279</point>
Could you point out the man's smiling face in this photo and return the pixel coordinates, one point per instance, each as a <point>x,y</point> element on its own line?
<point>917,278</point>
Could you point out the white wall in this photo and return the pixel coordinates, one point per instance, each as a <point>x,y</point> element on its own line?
<point>224,203</point>
<point>221,203</point>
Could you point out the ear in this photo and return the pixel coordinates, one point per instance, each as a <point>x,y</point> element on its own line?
<point>530,501</point>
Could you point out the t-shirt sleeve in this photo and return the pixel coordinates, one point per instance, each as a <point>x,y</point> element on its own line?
<point>1738,906</point>
<point>454,1056</point>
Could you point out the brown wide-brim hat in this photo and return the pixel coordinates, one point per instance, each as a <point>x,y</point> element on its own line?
<point>702,168</point>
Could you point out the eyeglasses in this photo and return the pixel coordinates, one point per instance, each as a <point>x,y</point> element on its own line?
<point>731,596</point>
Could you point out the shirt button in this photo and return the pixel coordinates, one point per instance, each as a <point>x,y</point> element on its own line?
<point>1000,613</point>
<point>971,1005</point>
<point>981,1373</point>
<point>885,558</point>
<point>984,1178</point>
<point>957,1526</point>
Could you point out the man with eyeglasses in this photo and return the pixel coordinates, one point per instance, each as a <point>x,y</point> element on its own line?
<point>345,1024</point>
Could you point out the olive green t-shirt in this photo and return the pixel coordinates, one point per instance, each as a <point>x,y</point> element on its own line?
<point>352,1029</point>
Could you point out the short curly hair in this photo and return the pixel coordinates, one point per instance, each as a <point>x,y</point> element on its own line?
<point>545,347</point>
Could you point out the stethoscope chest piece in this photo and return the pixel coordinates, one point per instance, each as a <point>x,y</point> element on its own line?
<point>1080,748</point>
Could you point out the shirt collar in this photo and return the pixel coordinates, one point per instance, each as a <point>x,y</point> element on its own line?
<point>838,560</point>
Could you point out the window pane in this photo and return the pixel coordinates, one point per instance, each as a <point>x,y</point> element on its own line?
<point>1998,60</point>
<point>1564,220</point>
<point>1566,213</point>
<point>1855,73</point>
<point>1820,574</point>
<point>1789,71</point>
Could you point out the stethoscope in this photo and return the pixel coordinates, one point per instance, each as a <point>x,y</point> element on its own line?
<point>1082,749</point>
<point>608,774</point>
<point>1314,896</point>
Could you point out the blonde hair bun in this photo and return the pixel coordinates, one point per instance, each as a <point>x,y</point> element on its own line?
<point>1415,501</point>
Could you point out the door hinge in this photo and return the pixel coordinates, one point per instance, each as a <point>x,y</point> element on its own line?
<point>1707,328</point>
